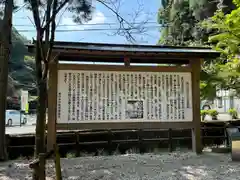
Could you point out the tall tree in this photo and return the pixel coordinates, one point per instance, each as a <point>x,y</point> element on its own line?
<point>177,19</point>
<point>5,47</point>
<point>44,15</point>
<point>227,41</point>
<point>181,26</point>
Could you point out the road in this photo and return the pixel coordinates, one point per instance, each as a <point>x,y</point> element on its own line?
<point>29,128</point>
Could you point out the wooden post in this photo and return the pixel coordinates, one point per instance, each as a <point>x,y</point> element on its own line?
<point>52,105</point>
<point>57,164</point>
<point>196,131</point>
<point>140,141</point>
<point>77,153</point>
<point>41,169</point>
<point>170,143</point>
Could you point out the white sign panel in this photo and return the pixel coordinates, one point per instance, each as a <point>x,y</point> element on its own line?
<point>24,100</point>
<point>138,96</point>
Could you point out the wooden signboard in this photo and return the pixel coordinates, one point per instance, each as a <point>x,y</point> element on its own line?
<point>118,97</point>
<point>125,97</point>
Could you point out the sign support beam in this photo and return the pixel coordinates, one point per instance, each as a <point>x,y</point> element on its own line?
<point>52,105</point>
<point>196,131</point>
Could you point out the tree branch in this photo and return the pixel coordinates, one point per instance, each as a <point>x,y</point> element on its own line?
<point>37,21</point>
<point>51,40</point>
<point>123,30</point>
<point>36,15</point>
<point>115,12</point>
<point>47,30</point>
<point>54,14</point>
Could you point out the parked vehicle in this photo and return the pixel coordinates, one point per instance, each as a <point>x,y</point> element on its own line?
<point>14,117</point>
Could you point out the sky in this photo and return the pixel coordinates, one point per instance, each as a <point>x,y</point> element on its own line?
<point>103,26</point>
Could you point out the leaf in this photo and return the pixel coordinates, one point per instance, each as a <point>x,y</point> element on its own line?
<point>218,37</point>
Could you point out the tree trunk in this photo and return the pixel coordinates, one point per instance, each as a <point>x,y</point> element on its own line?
<point>41,118</point>
<point>41,108</point>
<point>3,92</point>
<point>5,46</point>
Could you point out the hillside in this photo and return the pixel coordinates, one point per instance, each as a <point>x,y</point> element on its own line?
<point>20,73</point>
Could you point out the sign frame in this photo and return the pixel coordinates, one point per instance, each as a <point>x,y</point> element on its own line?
<point>63,76</point>
<point>195,124</point>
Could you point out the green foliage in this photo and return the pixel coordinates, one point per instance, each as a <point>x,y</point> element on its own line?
<point>228,38</point>
<point>165,3</point>
<point>182,22</point>
<point>181,27</point>
<point>213,113</point>
<point>227,41</point>
<point>178,19</point>
<point>207,90</point>
<point>233,112</point>
<point>21,74</point>
<point>203,113</point>
<point>193,4</point>
<point>81,9</point>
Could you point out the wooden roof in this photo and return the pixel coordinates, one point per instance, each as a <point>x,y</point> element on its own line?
<point>99,52</point>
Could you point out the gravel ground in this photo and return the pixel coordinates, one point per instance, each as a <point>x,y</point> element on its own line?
<point>165,166</point>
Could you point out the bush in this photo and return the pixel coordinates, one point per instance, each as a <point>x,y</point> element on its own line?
<point>213,113</point>
<point>204,113</point>
<point>233,112</point>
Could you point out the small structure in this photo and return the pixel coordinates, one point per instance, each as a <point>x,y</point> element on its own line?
<point>226,99</point>
<point>161,94</point>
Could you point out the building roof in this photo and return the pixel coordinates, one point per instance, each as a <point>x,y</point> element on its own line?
<point>157,51</point>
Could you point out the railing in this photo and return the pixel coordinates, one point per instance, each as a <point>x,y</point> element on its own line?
<point>94,139</point>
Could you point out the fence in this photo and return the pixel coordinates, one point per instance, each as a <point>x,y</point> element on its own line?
<point>121,140</point>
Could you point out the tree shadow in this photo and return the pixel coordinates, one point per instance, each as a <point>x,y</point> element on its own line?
<point>136,166</point>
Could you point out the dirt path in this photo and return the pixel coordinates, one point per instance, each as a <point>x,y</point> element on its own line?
<point>165,166</point>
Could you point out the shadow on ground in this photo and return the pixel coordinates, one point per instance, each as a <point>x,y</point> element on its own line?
<point>162,166</point>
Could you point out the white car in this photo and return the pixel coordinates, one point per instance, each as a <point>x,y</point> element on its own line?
<point>13,118</point>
